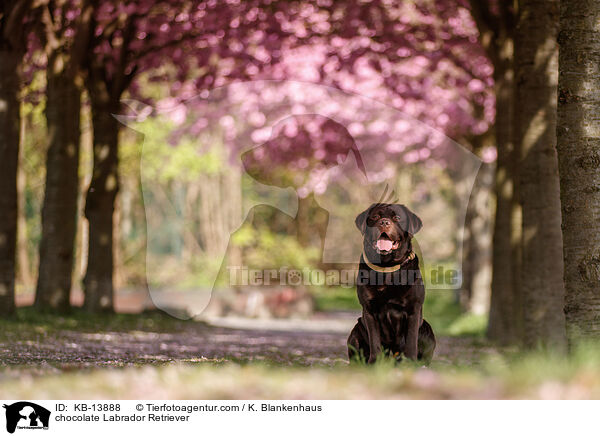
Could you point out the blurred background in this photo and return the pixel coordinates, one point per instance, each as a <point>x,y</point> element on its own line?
<point>150,148</point>
<point>326,133</point>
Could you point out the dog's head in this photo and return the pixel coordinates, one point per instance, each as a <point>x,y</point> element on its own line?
<point>387,230</point>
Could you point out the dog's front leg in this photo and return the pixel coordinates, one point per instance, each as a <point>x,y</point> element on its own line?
<point>412,335</point>
<point>374,336</point>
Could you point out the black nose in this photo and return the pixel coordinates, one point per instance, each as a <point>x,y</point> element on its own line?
<point>384,222</point>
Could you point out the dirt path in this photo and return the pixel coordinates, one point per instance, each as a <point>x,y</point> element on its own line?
<point>287,343</point>
<point>152,356</point>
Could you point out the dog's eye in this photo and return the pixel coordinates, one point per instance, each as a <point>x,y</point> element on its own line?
<point>375,217</point>
<point>396,218</point>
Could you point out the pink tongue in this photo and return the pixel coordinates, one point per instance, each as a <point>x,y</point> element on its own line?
<point>384,244</point>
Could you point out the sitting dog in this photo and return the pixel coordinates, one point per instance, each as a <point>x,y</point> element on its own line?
<point>390,288</point>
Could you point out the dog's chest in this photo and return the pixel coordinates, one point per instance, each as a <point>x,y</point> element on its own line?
<point>380,297</point>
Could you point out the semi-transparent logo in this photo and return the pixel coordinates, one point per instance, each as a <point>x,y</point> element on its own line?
<point>259,184</point>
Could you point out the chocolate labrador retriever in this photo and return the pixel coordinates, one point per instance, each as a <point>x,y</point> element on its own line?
<point>390,288</point>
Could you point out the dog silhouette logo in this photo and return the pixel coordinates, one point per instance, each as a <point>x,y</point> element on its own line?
<point>26,415</point>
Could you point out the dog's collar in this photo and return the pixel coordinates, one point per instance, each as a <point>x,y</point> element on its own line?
<point>387,269</point>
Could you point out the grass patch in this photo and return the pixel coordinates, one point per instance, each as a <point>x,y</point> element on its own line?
<point>446,317</point>
<point>29,321</point>
<point>535,375</point>
<point>336,298</point>
<point>538,366</point>
<point>468,324</point>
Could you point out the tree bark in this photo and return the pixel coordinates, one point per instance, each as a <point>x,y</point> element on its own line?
<point>496,33</point>
<point>505,323</point>
<point>578,146</point>
<point>59,210</point>
<point>9,157</point>
<point>24,265</point>
<point>536,65</point>
<point>81,238</point>
<point>475,295</point>
<point>100,203</point>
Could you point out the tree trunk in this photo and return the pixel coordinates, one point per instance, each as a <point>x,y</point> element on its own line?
<point>24,265</point>
<point>210,199</point>
<point>117,253</point>
<point>311,223</point>
<point>578,146</point>
<point>9,157</point>
<point>86,161</point>
<point>475,295</point>
<point>59,210</point>
<point>505,324</point>
<point>100,205</point>
<point>536,71</point>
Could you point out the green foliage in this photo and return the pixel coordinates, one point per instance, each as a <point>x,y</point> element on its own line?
<point>335,298</point>
<point>199,273</point>
<point>184,162</point>
<point>263,249</point>
<point>33,167</point>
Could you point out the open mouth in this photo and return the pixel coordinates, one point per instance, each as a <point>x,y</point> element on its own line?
<point>384,244</point>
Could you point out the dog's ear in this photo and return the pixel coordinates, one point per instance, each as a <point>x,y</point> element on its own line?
<point>409,221</point>
<point>361,221</point>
